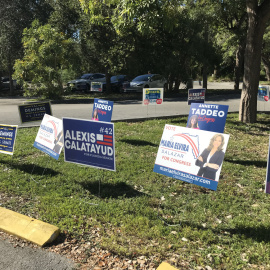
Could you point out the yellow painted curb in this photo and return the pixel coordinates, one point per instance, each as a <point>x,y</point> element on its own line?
<point>27,228</point>
<point>166,266</point>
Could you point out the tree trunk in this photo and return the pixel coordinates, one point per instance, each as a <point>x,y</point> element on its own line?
<point>176,84</point>
<point>204,76</point>
<point>205,62</point>
<point>266,64</point>
<point>238,69</point>
<point>257,18</point>
<point>11,86</point>
<point>170,83</point>
<point>108,82</point>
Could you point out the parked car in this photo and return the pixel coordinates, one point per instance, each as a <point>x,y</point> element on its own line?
<point>146,81</point>
<point>5,83</point>
<point>118,82</point>
<point>84,83</point>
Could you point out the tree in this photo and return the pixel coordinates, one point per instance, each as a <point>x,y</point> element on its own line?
<point>258,16</point>
<point>66,17</point>
<point>266,53</point>
<point>162,32</point>
<point>231,17</point>
<point>100,35</point>
<point>15,15</point>
<point>46,53</point>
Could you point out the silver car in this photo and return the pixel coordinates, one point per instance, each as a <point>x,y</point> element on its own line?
<point>146,81</point>
<point>84,83</point>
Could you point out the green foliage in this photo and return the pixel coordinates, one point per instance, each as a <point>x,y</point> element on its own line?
<point>15,15</point>
<point>225,229</point>
<point>154,32</point>
<point>46,54</point>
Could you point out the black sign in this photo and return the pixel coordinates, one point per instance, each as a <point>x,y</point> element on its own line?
<point>34,111</point>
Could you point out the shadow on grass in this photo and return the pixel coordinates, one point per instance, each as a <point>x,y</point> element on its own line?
<point>32,169</point>
<point>180,121</point>
<point>113,191</point>
<point>257,163</point>
<point>259,234</point>
<point>252,129</point>
<point>139,142</point>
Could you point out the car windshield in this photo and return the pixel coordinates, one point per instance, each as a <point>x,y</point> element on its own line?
<point>86,76</point>
<point>114,78</point>
<point>118,78</point>
<point>141,78</point>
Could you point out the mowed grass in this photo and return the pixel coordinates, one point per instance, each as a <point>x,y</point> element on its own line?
<point>224,229</point>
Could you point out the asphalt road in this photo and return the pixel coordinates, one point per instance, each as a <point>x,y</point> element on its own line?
<point>124,110</point>
<point>22,258</point>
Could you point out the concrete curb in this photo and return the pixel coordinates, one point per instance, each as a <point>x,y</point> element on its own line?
<point>166,266</point>
<point>27,228</point>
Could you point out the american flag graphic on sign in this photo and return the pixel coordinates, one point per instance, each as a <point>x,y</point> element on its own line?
<point>104,139</point>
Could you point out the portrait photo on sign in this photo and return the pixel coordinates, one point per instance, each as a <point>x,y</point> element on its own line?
<point>191,155</point>
<point>102,110</point>
<point>210,117</point>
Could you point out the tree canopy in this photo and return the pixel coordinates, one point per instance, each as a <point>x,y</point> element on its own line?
<point>46,54</point>
<point>179,39</point>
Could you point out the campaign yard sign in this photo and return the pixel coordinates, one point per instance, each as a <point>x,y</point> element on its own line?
<point>96,86</point>
<point>102,110</point>
<point>267,181</point>
<point>89,143</point>
<point>263,93</point>
<point>196,95</point>
<point>7,138</point>
<point>210,117</point>
<point>34,111</point>
<point>152,96</point>
<point>50,138</point>
<point>191,155</point>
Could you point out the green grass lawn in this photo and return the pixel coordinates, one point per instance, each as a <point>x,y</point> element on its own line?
<point>225,229</point>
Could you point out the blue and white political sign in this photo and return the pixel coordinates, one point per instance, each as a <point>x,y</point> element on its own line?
<point>102,110</point>
<point>196,95</point>
<point>7,138</point>
<point>263,93</point>
<point>191,155</point>
<point>89,143</point>
<point>50,139</point>
<point>210,117</point>
<point>34,111</point>
<point>96,86</point>
<point>152,96</point>
<point>267,181</point>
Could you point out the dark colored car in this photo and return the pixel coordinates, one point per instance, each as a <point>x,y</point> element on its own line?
<point>84,83</point>
<point>5,83</point>
<point>118,83</point>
